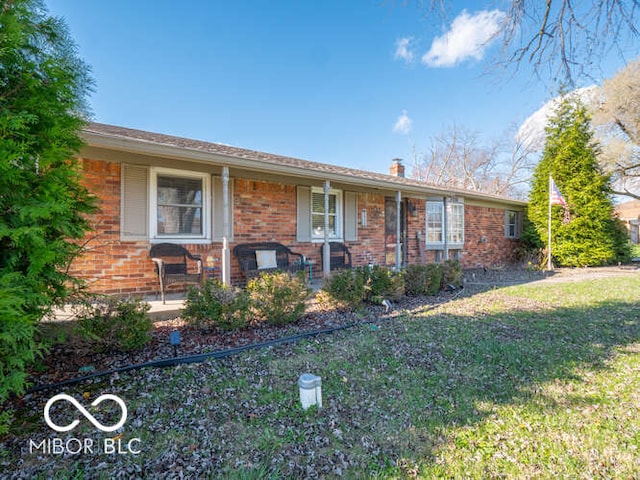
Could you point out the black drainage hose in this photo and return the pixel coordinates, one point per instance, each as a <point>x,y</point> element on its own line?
<point>201,357</point>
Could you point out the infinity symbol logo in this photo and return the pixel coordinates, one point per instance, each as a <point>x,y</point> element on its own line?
<point>83,411</point>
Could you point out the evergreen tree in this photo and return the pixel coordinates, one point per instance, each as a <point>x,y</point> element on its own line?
<point>43,204</point>
<point>592,235</point>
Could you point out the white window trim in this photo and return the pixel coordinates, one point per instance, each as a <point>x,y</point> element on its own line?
<point>440,244</point>
<point>451,243</point>
<point>339,215</point>
<point>516,233</point>
<point>441,206</point>
<point>205,237</point>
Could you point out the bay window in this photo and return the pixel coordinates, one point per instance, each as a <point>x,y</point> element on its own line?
<point>455,223</point>
<point>435,223</point>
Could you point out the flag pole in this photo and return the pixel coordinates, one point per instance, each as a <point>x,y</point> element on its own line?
<point>549,264</point>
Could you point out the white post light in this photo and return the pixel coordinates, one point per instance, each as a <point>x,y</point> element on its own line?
<point>310,390</point>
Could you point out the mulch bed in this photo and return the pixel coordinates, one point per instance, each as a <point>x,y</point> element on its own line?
<point>75,358</point>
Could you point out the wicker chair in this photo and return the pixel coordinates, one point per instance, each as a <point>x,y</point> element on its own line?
<point>172,267</point>
<point>276,257</point>
<point>339,256</point>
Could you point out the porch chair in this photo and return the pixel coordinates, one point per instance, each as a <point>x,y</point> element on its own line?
<point>339,256</point>
<point>171,266</point>
<point>256,258</point>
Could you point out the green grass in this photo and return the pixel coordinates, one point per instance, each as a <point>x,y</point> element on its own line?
<point>532,381</point>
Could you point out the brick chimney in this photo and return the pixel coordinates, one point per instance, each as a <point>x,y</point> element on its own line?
<point>397,169</point>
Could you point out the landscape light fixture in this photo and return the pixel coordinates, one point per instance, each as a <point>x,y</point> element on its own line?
<point>174,340</point>
<point>310,390</point>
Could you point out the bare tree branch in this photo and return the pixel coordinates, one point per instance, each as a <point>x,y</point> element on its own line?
<point>457,160</point>
<point>562,40</point>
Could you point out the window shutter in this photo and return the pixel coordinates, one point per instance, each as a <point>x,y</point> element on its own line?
<point>304,215</point>
<point>218,210</point>
<point>134,206</point>
<point>350,216</point>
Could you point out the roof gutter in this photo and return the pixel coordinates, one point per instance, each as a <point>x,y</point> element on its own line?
<point>140,146</point>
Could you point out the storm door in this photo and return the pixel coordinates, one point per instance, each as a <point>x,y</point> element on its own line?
<point>390,231</point>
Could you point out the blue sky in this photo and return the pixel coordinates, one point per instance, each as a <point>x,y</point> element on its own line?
<point>353,83</point>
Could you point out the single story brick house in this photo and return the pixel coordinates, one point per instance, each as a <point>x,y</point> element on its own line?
<point>155,188</point>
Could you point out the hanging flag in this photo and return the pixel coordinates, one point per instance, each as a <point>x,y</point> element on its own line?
<point>556,198</point>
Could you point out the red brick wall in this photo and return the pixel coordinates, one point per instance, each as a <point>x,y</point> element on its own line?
<point>264,211</point>
<point>109,265</point>
<point>485,244</point>
<point>370,245</point>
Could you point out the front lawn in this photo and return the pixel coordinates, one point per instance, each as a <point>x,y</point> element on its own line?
<point>538,380</point>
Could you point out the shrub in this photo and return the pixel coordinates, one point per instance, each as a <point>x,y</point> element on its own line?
<point>423,279</point>
<point>351,288</point>
<point>17,348</point>
<point>44,205</point>
<point>451,273</point>
<point>345,288</point>
<point>216,305</point>
<point>278,298</point>
<point>114,323</point>
<point>380,283</point>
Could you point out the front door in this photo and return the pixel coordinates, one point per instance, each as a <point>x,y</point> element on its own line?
<point>390,231</point>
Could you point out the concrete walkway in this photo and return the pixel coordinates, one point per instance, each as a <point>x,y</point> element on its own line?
<point>159,311</point>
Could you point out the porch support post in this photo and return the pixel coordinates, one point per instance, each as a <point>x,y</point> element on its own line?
<point>445,228</point>
<point>226,254</point>
<point>398,231</point>
<point>326,250</point>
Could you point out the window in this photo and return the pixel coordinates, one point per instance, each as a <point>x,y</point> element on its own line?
<point>180,206</point>
<point>511,224</point>
<point>435,223</point>
<point>455,219</point>
<point>334,213</point>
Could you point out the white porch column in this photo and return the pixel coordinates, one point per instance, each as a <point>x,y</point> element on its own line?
<point>398,231</point>
<point>326,250</point>
<point>445,227</point>
<point>226,254</point>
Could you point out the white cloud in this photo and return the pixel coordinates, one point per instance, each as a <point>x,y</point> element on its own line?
<point>468,37</point>
<point>403,50</point>
<point>532,133</point>
<point>403,124</point>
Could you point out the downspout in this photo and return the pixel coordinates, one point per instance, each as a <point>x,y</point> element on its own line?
<point>398,231</point>
<point>326,250</point>
<point>226,254</point>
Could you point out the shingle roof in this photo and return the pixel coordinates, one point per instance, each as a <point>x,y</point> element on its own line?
<point>94,131</point>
